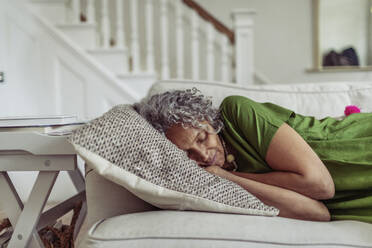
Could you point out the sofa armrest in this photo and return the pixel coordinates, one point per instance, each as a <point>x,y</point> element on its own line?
<point>106,199</point>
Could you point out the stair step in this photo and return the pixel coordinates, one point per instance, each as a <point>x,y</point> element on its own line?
<point>83,34</point>
<point>139,82</point>
<point>115,59</point>
<point>52,10</point>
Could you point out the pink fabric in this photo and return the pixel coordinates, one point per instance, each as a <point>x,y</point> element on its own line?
<point>351,109</point>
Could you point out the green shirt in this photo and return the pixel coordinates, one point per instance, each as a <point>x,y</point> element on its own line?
<point>344,146</point>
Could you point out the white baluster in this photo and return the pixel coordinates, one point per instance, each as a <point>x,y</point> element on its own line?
<point>120,36</point>
<point>164,39</point>
<point>230,69</point>
<point>91,11</point>
<point>76,10</point>
<point>243,29</point>
<point>225,61</point>
<point>134,36</point>
<point>105,25</point>
<point>179,39</point>
<point>210,51</point>
<point>150,36</point>
<point>195,45</point>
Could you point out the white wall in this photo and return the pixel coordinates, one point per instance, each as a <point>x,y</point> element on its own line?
<point>344,23</point>
<point>24,91</point>
<point>283,39</point>
<point>47,75</point>
<point>369,39</point>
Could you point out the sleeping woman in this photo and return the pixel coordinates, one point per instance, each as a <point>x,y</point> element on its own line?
<point>309,169</point>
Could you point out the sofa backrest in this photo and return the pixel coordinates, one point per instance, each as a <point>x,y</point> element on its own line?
<point>315,99</point>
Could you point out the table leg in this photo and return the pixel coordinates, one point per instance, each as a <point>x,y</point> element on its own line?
<point>77,179</point>
<point>80,220</point>
<point>29,217</point>
<point>49,217</point>
<point>13,205</point>
<point>11,202</point>
<point>79,183</point>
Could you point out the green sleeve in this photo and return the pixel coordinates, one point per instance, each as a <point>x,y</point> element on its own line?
<point>250,127</point>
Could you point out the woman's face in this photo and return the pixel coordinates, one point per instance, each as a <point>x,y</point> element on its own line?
<point>202,146</point>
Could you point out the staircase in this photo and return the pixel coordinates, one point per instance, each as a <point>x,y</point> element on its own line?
<point>69,57</point>
<point>140,41</point>
<point>81,57</point>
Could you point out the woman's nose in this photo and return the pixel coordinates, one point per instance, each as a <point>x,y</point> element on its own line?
<point>202,155</point>
<point>199,154</point>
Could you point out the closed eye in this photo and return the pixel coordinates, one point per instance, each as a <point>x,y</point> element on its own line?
<point>202,137</point>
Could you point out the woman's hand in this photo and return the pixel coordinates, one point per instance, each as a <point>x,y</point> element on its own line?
<point>219,171</point>
<point>216,170</point>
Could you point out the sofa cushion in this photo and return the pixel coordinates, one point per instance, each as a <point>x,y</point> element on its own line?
<point>315,99</point>
<point>125,148</point>
<point>197,229</point>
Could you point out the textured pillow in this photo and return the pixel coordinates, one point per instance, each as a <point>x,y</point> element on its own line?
<point>124,148</point>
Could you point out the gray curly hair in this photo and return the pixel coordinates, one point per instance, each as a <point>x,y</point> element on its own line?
<point>185,107</point>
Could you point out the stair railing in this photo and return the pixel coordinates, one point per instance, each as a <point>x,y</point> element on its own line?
<point>173,38</point>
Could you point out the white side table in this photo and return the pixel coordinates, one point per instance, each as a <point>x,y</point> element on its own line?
<point>33,151</point>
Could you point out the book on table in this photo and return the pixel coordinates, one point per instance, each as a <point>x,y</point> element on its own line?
<point>51,125</point>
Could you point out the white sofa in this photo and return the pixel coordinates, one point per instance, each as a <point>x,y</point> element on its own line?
<point>116,218</point>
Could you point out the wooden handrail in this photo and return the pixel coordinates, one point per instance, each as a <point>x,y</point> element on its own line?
<point>210,18</point>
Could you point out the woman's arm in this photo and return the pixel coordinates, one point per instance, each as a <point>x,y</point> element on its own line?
<point>292,181</point>
<point>296,165</point>
<point>291,204</point>
<point>301,169</point>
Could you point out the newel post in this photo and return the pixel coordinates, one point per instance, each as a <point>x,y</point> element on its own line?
<point>243,20</point>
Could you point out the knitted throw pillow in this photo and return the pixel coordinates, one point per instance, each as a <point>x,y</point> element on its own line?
<point>124,148</point>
